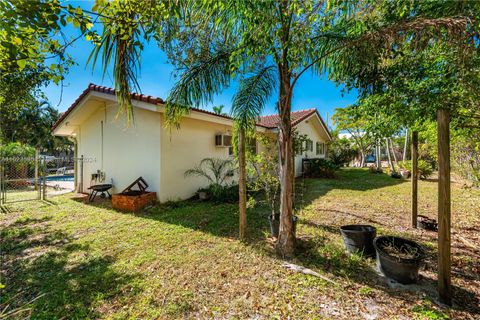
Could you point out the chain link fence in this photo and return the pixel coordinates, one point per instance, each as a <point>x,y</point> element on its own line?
<point>35,178</point>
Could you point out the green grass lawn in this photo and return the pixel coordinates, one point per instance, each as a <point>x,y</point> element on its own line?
<point>67,259</point>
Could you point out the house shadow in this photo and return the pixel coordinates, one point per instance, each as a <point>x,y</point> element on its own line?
<point>48,275</point>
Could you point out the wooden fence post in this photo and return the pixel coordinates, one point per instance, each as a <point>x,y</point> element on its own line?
<point>414,178</point>
<point>444,209</point>
<point>405,146</point>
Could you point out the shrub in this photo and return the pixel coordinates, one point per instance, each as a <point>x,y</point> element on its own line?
<point>424,168</point>
<point>18,161</point>
<point>341,151</point>
<point>262,170</point>
<point>319,168</point>
<point>17,150</point>
<point>466,156</point>
<point>225,193</point>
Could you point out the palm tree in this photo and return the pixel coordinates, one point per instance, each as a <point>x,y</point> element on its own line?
<point>218,110</point>
<point>248,103</point>
<point>214,170</point>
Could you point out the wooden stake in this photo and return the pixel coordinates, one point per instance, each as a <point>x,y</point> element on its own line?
<point>414,178</point>
<point>405,146</point>
<point>444,208</point>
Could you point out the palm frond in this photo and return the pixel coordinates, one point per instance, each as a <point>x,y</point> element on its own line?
<point>198,84</point>
<point>252,95</point>
<point>215,170</point>
<point>199,172</point>
<point>122,46</point>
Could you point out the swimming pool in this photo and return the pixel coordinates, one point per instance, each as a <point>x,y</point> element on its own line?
<point>60,178</point>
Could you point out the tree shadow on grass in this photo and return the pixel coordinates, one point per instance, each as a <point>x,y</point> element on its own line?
<point>218,219</point>
<point>356,179</point>
<point>221,219</point>
<point>342,214</point>
<point>320,253</point>
<point>61,278</point>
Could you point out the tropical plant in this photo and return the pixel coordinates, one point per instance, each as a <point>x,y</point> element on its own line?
<point>216,171</point>
<point>31,125</point>
<point>320,168</point>
<point>466,154</point>
<point>341,151</point>
<point>32,40</point>
<point>16,150</point>
<point>424,168</point>
<point>219,110</point>
<point>349,120</point>
<point>263,172</point>
<point>224,193</point>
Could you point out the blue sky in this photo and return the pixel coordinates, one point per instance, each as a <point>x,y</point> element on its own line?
<point>156,79</point>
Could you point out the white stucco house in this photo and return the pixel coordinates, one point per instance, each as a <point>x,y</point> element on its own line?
<point>160,155</point>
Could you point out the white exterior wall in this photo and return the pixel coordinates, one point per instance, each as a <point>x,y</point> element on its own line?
<point>184,148</point>
<point>128,152</point>
<point>309,127</point>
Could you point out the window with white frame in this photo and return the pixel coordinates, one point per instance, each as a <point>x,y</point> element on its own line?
<point>309,145</point>
<point>320,148</point>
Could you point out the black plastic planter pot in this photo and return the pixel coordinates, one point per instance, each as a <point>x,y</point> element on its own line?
<point>275,225</point>
<point>358,238</point>
<point>426,223</point>
<point>392,253</point>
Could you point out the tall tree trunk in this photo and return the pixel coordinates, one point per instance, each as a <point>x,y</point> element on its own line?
<point>242,183</point>
<point>393,151</point>
<point>444,208</point>
<point>387,149</point>
<point>405,146</point>
<point>362,158</point>
<point>414,178</point>
<point>286,238</point>
<point>378,155</point>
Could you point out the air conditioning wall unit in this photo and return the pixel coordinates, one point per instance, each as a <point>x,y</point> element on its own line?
<point>223,140</point>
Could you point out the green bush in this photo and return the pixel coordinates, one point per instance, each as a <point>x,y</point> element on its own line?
<point>225,193</point>
<point>16,150</point>
<point>341,151</point>
<point>424,168</point>
<point>320,168</point>
<point>18,160</point>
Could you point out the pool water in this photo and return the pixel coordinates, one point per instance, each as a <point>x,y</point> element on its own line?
<point>60,178</point>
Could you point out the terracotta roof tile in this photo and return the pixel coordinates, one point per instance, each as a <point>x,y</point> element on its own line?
<point>296,117</point>
<point>269,122</point>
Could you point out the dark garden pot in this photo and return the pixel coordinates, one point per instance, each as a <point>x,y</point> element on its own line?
<point>275,225</point>
<point>396,175</point>
<point>398,258</point>
<point>405,174</point>
<point>203,195</point>
<point>426,223</point>
<point>358,238</point>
